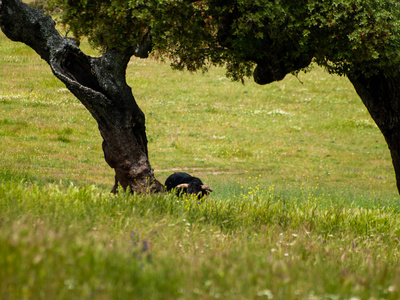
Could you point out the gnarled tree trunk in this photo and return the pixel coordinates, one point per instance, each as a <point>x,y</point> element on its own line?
<point>381,95</point>
<point>99,83</point>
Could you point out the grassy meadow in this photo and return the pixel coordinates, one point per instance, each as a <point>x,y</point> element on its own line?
<point>304,204</point>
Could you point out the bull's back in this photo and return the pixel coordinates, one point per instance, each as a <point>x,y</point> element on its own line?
<point>176,179</point>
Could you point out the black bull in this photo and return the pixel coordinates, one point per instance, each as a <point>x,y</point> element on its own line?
<point>185,183</point>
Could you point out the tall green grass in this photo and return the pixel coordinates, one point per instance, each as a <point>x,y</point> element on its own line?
<point>304,203</point>
<point>79,242</point>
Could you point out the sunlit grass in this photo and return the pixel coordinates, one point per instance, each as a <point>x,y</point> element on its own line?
<point>203,123</point>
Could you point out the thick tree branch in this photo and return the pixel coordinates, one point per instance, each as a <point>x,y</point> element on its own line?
<point>99,83</point>
<point>21,23</point>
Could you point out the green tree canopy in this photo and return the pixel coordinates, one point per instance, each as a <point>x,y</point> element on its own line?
<point>280,35</point>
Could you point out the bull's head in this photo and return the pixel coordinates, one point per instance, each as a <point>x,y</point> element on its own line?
<point>195,188</point>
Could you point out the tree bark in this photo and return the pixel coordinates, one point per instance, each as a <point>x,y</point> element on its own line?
<point>99,83</point>
<point>381,96</point>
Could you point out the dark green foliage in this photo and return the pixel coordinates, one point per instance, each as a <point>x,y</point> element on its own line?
<point>108,24</point>
<point>357,33</point>
<point>282,36</point>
